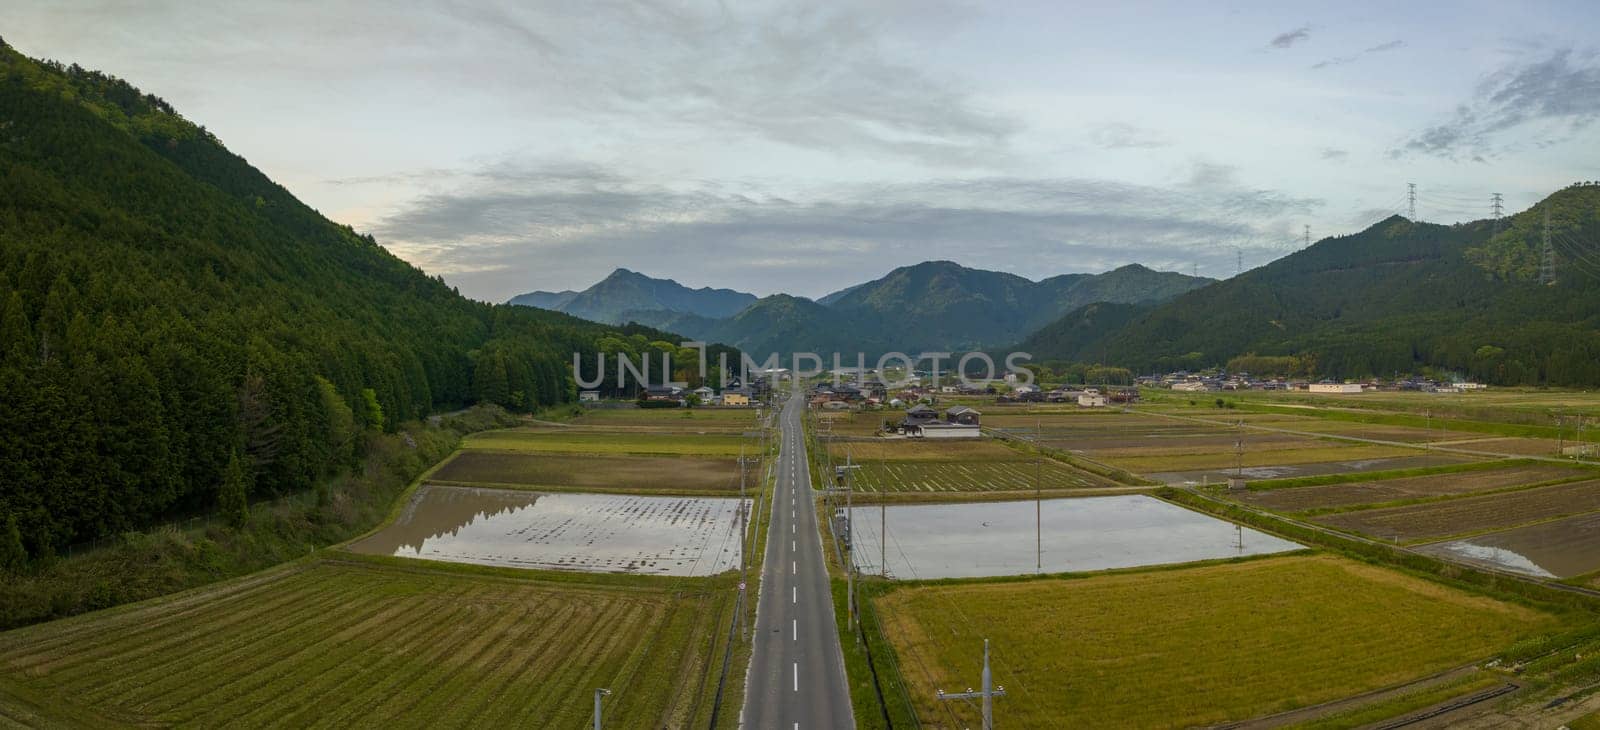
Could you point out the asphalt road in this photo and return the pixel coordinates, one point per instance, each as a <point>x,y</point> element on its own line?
<point>796,677</point>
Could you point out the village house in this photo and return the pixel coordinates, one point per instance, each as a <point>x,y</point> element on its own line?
<point>923,421</point>
<point>663,393</point>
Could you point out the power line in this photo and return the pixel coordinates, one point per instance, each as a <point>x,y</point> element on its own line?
<point>1577,254</point>
<point>1411,200</point>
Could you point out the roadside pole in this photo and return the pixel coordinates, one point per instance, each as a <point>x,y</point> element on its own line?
<point>598,693</point>
<point>987,694</point>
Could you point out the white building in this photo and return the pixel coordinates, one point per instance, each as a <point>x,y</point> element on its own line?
<point>1091,400</point>
<point>1335,387</point>
<point>588,396</point>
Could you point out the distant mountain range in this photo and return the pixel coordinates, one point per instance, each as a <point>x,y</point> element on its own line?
<point>1399,296</point>
<point>935,305</point>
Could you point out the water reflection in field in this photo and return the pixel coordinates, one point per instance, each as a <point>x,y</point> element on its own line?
<point>1078,534</point>
<point>606,533</point>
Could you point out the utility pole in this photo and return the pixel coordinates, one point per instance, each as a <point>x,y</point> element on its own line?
<point>1495,201</point>
<point>988,693</point>
<point>744,535</point>
<point>598,693</point>
<point>1038,516</point>
<point>850,529</point>
<point>883,537</point>
<point>1547,256</point>
<point>1411,201</point>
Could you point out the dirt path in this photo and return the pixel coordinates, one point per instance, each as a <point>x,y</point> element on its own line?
<point>1314,712</point>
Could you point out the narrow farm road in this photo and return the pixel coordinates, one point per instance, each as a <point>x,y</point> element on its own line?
<point>796,677</point>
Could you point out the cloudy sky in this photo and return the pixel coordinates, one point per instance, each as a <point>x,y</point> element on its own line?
<point>511,146</point>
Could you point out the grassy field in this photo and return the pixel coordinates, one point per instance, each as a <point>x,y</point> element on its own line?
<point>1195,646</point>
<point>1300,499</point>
<point>573,441</point>
<point>675,474</point>
<point>1467,515</point>
<point>329,644</point>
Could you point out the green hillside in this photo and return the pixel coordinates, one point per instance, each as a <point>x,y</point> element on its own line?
<point>785,324</point>
<point>167,311</point>
<point>1079,336</point>
<point>940,305</point>
<point>1399,297</point>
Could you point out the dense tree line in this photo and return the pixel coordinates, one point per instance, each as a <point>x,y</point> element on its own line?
<point>176,328</point>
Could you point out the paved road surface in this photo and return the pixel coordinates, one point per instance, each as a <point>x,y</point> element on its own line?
<point>796,677</point>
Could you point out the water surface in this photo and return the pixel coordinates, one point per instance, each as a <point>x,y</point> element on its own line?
<point>1078,534</point>
<point>604,533</point>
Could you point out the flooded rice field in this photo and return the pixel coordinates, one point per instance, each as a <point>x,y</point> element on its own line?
<point>1079,534</point>
<point>1219,476</point>
<point>1558,549</point>
<point>601,533</point>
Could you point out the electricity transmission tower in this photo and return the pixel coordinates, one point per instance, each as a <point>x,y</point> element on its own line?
<point>1547,255</point>
<point>1495,200</point>
<point>988,693</point>
<point>1238,262</point>
<point>1308,235</point>
<point>1411,201</point>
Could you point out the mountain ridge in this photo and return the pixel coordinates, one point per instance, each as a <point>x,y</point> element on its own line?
<point>937,305</point>
<point>1397,297</point>
<point>624,290</point>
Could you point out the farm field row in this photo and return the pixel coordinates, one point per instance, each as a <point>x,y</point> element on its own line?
<point>1300,499</point>
<point>1465,515</point>
<point>600,472</point>
<point>669,418</point>
<point>608,442</point>
<point>1562,548</point>
<point>330,644</point>
<point>908,450</point>
<point>970,476</point>
<point>1114,651</point>
<point>1222,459</point>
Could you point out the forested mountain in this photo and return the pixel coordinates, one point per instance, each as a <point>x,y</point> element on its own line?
<point>624,291</point>
<point>1400,296</point>
<point>172,320</point>
<point>945,306</point>
<point>785,324</point>
<point>544,299</point>
<point>1079,336</point>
